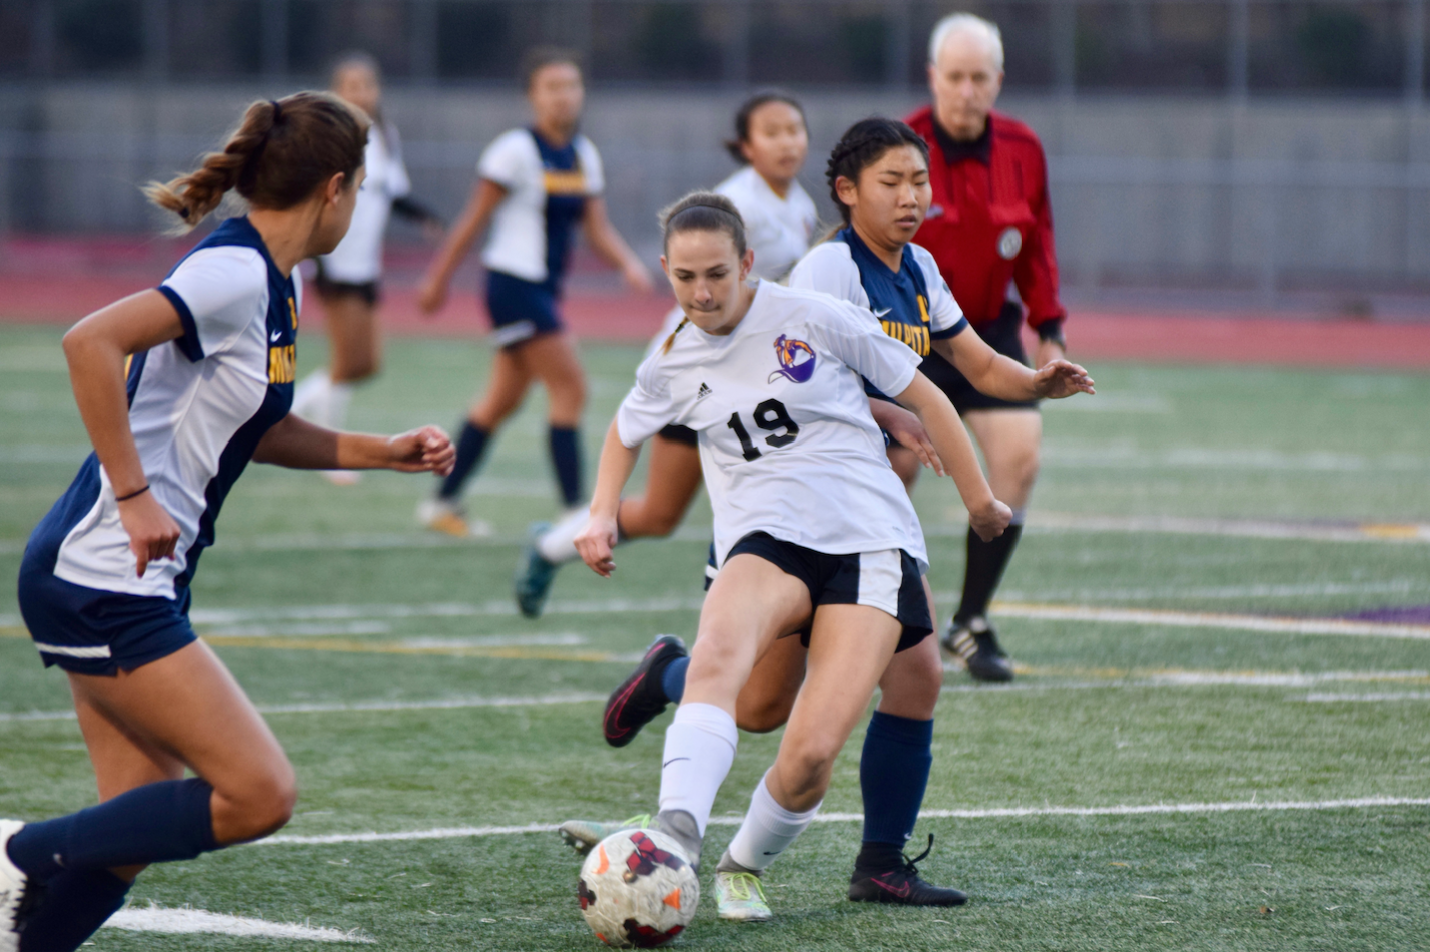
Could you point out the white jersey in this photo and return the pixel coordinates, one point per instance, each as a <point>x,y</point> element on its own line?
<point>530,232</point>
<point>358,257</point>
<point>787,444</point>
<point>198,406</point>
<point>778,230</point>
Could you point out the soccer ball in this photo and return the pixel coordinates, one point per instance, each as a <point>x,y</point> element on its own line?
<point>637,889</point>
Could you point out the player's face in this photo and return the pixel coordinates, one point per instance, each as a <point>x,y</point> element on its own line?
<point>965,84</point>
<point>336,212</point>
<point>891,197</point>
<point>557,95</point>
<point>778,142</point>
<point>358,85</point>
<point>708,277</point>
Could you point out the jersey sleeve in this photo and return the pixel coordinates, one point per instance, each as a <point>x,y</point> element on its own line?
<point>593,167</point>
<point>945,316</point>
<point>647,409</point>
<point>854,336</point>
<point>828,268</point>
<point>216,292</point>
<point>504,161</point>
<point>1035,270</point>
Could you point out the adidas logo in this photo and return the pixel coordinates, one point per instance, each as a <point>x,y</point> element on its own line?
<point>703,392</point>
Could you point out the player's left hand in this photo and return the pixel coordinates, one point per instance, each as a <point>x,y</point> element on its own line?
<point>1062,378</point>
<point>595,543</point>
<point>426,449</point>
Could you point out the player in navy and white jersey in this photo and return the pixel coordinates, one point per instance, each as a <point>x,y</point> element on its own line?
<point>349,277</point>
<point>771,142</point>
<point>535,187</point>
<point>104,582</point>
<point>814,532</point>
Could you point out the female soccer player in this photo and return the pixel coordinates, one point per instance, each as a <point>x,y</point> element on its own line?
<point>348,277</point>
<point>179,388</point>
<point>534,186</point>
<point>813,530</point>
<point>771,142</point>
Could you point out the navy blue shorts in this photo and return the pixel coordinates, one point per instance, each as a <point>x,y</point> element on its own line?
<point>1004,335</point>
<point>877,579</point>
<point>520,310</point>
<point>91,631</point>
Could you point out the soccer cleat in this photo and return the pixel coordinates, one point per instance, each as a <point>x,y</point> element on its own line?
<point>976,644</point>
<point>534,574</point>
<point>740,897</point>
<point>640,698</point>
<point>440,515</point>
<point>901,884</point>
<point>18,896</point>
<point>583,835</point>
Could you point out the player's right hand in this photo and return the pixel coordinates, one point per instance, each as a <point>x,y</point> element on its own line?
<point>153,533</point>
<point>432,296</point>
<point>990,521</point>
<point>595,543</point>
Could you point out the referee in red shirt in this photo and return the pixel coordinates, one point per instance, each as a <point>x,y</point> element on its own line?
<point>990,228</point>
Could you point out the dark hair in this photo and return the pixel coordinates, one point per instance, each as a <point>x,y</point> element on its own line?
<point>747,109</point>
<point>538,58</point>
<point>863,144</point>
<point>280,153</point>
<point>701,211</point>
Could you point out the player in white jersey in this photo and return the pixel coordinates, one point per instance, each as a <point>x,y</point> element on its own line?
<point>772,142</point>
<point>813,530</point>
<point>179,388</point>
<point>534,188</point>
<point>349,277</point>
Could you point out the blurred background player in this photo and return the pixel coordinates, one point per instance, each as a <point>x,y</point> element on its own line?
<point>771,143</point>
<point>990,226</point>
<point>348,278</point>
<point>534,187</point>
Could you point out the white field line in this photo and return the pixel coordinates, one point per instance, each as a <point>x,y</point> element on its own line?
<point>465,832</point>
<point>1404,586</point>
<point>1238,528</point>
<point>442,704</point>
<point>188,921</point>
<point>1387,696</point>
<point>1178,619</point>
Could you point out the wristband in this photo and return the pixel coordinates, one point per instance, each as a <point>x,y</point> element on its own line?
<point>1053,330</point>
<point>137,492</point>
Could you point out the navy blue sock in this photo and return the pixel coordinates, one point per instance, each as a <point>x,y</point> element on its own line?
<point>155,823</point>
<point>75,906</point>
<point>566,457</point>
<point>893,772</point>
<point>471,444</point>
<point>672,679</point>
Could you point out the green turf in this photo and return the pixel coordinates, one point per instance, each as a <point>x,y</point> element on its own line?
<point>318,595</point>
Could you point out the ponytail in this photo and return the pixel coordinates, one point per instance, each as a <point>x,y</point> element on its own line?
<point>669,341</point>
<point>281,152</point>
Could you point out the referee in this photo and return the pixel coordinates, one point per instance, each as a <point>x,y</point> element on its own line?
<point>990,229</point>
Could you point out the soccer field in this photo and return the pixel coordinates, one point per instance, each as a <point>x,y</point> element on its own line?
<point>1219,737</point>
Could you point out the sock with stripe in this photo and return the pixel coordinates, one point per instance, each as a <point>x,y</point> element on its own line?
<point>984,567</point>
<point>471,445</point>
<point>76,904</point>
<point>156,823</point>
<point>767,831</point>
<point>893,773</point>
<point>566,457</point>
<point>699,749</point>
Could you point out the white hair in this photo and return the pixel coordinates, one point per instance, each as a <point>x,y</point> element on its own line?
<point>967,23</point>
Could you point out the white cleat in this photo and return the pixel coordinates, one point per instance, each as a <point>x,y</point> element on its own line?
<point>16,894</point>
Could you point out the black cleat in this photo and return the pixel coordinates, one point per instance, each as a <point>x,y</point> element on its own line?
<point>976,644</point>
<point>901,884</point>
<point>640,698</point>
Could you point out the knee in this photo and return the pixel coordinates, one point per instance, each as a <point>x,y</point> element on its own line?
<point>763,715</point>
<point>267,801</point>
<point>659,522</point>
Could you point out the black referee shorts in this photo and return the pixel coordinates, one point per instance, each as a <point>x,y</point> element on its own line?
<point>1003,334</point>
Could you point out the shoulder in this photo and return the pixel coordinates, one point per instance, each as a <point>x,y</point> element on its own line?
<point>829,267</point>
<point>926,262</point>
<point>833,253</point>
<point>586,149</point>
<point>738,188</point>
<point>816,308</point>
<point>240,267</point>
<point>512,144</point>
<point>921,121</point>
<point>1010,131</point>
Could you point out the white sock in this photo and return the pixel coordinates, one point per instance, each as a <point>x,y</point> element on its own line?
<point>767,831</point>
<point>339,396</point>
<point>310,400</point>
<point>699,749</point>
<point>558,544</point>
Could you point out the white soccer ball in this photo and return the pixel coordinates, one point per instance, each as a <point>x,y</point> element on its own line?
<point>637,889</point>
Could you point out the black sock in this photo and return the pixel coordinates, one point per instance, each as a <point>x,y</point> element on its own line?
<point>470,447</point>
<point>986,561</point>
<point>76,904</point>
<point>875,856</point>
<point>566,457</point>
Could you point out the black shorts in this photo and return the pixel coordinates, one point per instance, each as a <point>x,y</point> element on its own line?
<point>1004,335</point>
<point>368,291</point>
<point>878,579</point>
<point>679,434</point>
<point>521,309</point>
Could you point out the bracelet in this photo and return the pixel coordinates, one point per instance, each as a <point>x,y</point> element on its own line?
<point>137,492</point>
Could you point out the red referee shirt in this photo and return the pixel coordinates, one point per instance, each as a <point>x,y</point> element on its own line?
<point>990,221</point>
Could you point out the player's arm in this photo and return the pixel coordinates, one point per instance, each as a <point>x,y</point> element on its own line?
<point>598,539</point>
<point>986,515</point>
<point>608,243</point>
<point>297,444</point>
<point>1035,274</point>
<point>998,376</point>
<point>905,427</point>
<point>96,349</point>
<point>486,196</point>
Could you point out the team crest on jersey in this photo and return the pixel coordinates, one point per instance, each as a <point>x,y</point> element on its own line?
<point>796,360</point>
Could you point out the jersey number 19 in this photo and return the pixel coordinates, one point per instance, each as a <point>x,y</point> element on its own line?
<point>769,415</point>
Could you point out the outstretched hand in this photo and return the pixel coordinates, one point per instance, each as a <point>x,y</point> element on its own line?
<point>595,543</point>
<point>1062,378</point>
<point>426,449</point>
